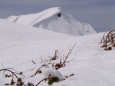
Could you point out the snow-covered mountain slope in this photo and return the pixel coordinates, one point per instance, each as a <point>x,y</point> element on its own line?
<point>54,19</point>
<point>91,65</point>
<point>15,31</point>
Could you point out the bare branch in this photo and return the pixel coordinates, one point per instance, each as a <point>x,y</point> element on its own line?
<point>41,81</point>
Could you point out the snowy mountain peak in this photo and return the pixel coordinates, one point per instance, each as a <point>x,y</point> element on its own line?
<point>54,19</point>
<point>30,19</point>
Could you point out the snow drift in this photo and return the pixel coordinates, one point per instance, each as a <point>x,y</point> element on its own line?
<point>54,19</point>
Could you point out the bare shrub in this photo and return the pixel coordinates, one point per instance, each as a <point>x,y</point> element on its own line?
<point>14,75</point>
<point>108,40</point>
<point>62,59</point>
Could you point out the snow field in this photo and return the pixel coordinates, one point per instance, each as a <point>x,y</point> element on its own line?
<point>91,65</point>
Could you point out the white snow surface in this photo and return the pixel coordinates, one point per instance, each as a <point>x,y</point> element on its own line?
<point>49,72</point>
<point>91,65</point>
<point>48,19</point>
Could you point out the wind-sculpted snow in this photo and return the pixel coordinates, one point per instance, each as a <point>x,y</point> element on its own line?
<point>54,19</point>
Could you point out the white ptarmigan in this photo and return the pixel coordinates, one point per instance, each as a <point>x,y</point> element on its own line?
<point>46,70</point>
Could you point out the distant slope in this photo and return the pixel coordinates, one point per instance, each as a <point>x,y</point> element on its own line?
<point>12,34</point>
<point>54,19</point>
<point>11,31</point>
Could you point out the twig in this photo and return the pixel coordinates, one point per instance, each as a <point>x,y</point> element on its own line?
<point>33,62</point>
<point>36,71</point>
<point>41,81</point>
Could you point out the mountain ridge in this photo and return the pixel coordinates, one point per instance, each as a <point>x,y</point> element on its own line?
<point>54,19</point>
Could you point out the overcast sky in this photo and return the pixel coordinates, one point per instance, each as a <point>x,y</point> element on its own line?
<point>99,13</point>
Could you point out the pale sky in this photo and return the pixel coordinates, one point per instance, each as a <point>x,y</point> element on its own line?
<point>99,13</point>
